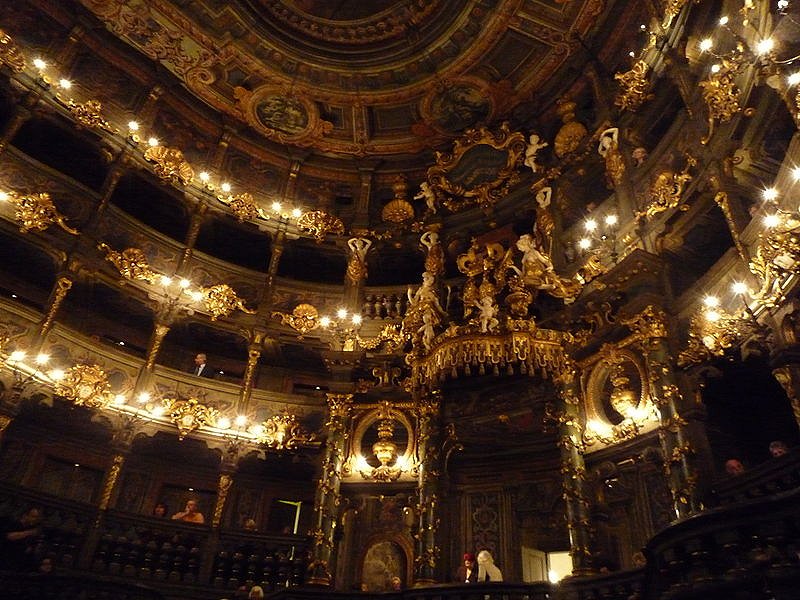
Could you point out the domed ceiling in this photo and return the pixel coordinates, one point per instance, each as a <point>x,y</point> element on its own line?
<point>365,78</point>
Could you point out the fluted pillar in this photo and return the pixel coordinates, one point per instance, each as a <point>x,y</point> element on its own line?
<point>429,444</point>
<point>573,470</point>
<point>326,503</point>
<point>678,451</point>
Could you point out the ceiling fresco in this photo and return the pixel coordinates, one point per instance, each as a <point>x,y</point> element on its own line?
<point>353,78</point>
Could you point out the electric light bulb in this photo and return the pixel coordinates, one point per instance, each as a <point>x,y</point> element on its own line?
<point>772,220</point>
<point>715,68</point>
<point>796,173</point>
<point>226,187</point>
<point>152,142</point>
<point>770,194</point>
<point>296,212</point>
<point>723,20</point>
<point>57,374</point>
<point>240,421</point>
<point>325,321</point>
<point>17,355</point>
<point>711,301</point>
<point>165,280</point>
<point>42,359</point>
<point>356,319</point>
<point>590,225</point>
<point>143,397</point>
<point>184,283</point>
<point>3,196</point>
<point>157,411</point>
<point>739,287</point>
<point>765,46</point>
<point>706,45</point>
<point>119,399</point>
<point>133,125</point>
<point>794,78</point>
<point>204,177</point>
<point>196,296</point>
<point>39,63</point>
<point>276,206</point>
<point>224,423</point>
<point>341,313</point>
<point>611,220</point>
<point>713,316</point>
<point>584,243</point>
<point>65,83</point>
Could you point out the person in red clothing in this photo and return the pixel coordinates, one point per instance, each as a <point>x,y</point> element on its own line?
<point>467,572</point>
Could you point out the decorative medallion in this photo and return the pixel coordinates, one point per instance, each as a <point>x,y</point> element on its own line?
<point>282,117</point>
<point>36,212</point>
<point>85,385</point>
<point>283,432</point>
<point>457,105</point>
<point>480,170</point>
<point>319,224</point>
<point>666,190</point>
<point>243,206</point>
<point>220,300</point>
<point>189,415</point>
<point>131,263</point>
<point>304,318</point>
<point>169,164</point>
<point>89,114</point>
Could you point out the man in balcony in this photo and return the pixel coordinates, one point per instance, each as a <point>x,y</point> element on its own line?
<point>201,367</point>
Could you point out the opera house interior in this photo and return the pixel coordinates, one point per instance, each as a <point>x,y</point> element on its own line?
<point>321,299</point>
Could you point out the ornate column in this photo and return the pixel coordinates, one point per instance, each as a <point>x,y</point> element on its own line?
<point>326,503</point>
<point>651,326</point>
<point>272,271</point>
<point>57,294</point>
<point>160,330</point>
<point>223,487</point>
<point>573,469</point>
<point>428,444</point>
<point>253,354</point>
<point>20,117</point>
<point>788,375</point>
<point>194,230</point>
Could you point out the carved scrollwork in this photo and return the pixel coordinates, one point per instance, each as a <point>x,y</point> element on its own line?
<point>457,183</point>
<point>36,212</point>
<point>85,385</point>
<point>131,263</point>
<point>221,300</point>
<point>666,190</point>
<point>10,54</point>
<point>189,414</point>
<point>634,87</point>
<point>169,164</point>
<point>319,224</point>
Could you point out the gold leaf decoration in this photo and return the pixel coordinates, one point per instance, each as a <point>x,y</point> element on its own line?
<point>304,318</point>
<point>319,224</point>
<point>243,206</point>
<point>85,385</point>
<point>131,263</point>
<point>189,415</point>
<point>36,212</point>
<point>634,87</point>
<point>90,115</point>
<point>220,300</point>
<point>10,54</point>
<point>283,432</point>
<point>169,164</point>
<point>666,190</point>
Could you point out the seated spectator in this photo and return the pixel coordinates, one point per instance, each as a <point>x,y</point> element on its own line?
<point>160,510</point>
<point>778,448</point>
<point>734,467</point>
<point>17,537</point>
<point>191,514</point>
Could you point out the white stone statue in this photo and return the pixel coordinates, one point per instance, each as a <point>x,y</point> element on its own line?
<point>426,193</point>
<point>487,314</point>
<point>534,145</point>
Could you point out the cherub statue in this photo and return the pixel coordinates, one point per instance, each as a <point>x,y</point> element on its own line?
<point>426,193</point>
<point>426,329</point>
<point>486,316</point>
<point>534,145</point>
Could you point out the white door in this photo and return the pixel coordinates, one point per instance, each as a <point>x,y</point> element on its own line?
<point>534,565</point>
